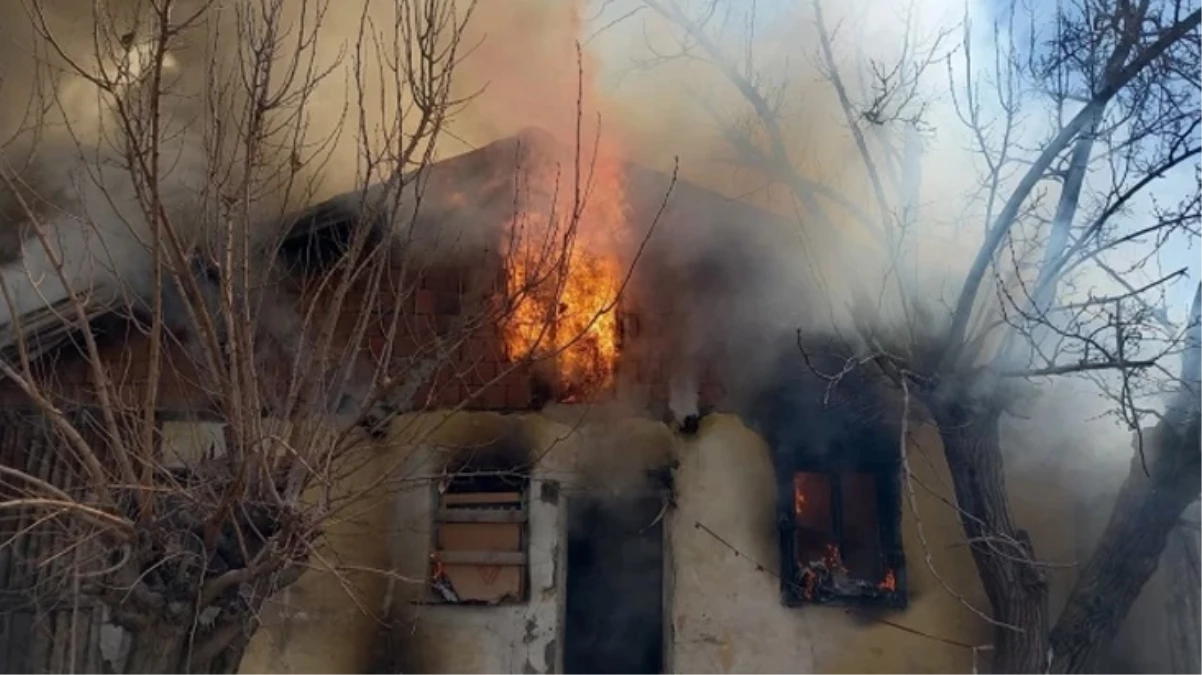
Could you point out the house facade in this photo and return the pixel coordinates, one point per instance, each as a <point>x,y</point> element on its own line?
<point>690,518</point>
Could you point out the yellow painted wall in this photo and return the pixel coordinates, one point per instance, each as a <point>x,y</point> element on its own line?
<point>331,619</point>
<point>727,612</point>
<point>725,606</point>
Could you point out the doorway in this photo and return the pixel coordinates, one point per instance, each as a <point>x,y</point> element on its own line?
<point>615,585</point>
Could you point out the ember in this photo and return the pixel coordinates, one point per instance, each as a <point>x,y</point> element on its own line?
<point>822,572</point>
<point>566,283</point>
<point>440,581</point>
<point>890,582</point>
<point>833,560</point>
<point>826,578</point>
<point>799,498</point>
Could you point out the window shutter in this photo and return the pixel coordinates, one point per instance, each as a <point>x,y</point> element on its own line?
<point>480,541</point>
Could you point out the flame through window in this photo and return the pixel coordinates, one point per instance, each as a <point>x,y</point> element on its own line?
<point>843,545</point>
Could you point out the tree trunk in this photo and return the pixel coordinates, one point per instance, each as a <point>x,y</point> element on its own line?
<point>1184,609</point>
<point>1147,510</point>
<point>1017,590</point>
<point>162,647</point>
<point>156,648</point>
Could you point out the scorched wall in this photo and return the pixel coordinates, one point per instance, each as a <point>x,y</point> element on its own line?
<point>724,612</point>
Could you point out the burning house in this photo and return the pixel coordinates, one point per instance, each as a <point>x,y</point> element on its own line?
<point>640,468</point>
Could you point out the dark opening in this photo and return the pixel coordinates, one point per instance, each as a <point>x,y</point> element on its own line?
<point>841,538</point>
<point>615,585</point>
<point>815,520</point>
<point>321,236</point>
<point>838,479</point>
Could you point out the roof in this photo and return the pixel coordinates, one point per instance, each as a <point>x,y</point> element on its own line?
<point>460,203</point>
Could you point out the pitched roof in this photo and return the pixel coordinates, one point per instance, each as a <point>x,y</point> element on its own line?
<point>463,202</point>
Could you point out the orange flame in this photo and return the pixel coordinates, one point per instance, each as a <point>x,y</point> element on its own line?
<point>809,580</point>
<point>889,583</point>
<point>799,498</point>
<point>833,562</point>
<point>565,282</point>
<point>834,559</point>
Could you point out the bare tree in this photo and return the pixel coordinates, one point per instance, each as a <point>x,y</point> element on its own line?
<point>1118,83</point>
<point>155,186</point>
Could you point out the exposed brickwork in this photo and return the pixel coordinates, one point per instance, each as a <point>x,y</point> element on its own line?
<point>651,342</point>
<point>400,320</point>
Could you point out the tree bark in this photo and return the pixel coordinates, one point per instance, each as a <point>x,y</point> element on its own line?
<point>1017,590</point>
<point>156,648</point>
<point>167,647</point>
<point>1184,609</point>
<point>1147,510</point>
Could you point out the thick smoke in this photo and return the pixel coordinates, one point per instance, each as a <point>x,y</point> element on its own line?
<point>804,273</point>
<point>1063,439</point>
<point>748,281</point>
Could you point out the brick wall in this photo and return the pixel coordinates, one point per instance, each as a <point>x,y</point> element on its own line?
<point>420,305</point>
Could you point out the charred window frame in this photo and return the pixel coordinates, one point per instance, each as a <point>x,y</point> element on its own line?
<point>841,540</point>
<point>480,539</point>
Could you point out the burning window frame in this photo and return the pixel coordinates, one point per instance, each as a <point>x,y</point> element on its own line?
<point>825,580</point>
<point>494,502</point>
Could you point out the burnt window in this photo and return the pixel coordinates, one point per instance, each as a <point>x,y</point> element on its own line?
<point>480,537</point>
<point>841,535</point>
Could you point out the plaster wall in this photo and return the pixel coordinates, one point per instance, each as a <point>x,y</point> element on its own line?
<point>727,615</point>
<point>506,638</point>
<point>722,590</point>
<point>362,607</point>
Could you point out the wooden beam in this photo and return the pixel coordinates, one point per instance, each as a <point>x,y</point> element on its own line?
<point>481,498</point>
<point>503,558</point>
<point>482,515</point>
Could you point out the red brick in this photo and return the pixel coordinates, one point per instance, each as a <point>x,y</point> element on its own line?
<point>374,343</point>
<point>478,350</point>
<point>491,398</point>
<point>650,371</point>
<point>442,279</point>
<point>463,371</point>
<point>447,302</point>
<point>399,356</point>
<point>421,398</point>
<point>517,396</point>
<point>391,301</point>
<point>512,375</point>
<point>403,345</point>
<point>425,302</point>
<point>380,335</point>
<point>479,372</point>
<point>449,395</point>
<point>421,330</point>
<point>487,333</point>
<point>631,326</point>
<point>432,279</point>
<point>469,352</point>
<point>443,376</point>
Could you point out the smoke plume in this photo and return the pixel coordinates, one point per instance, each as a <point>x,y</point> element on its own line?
<point>617,71</point>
